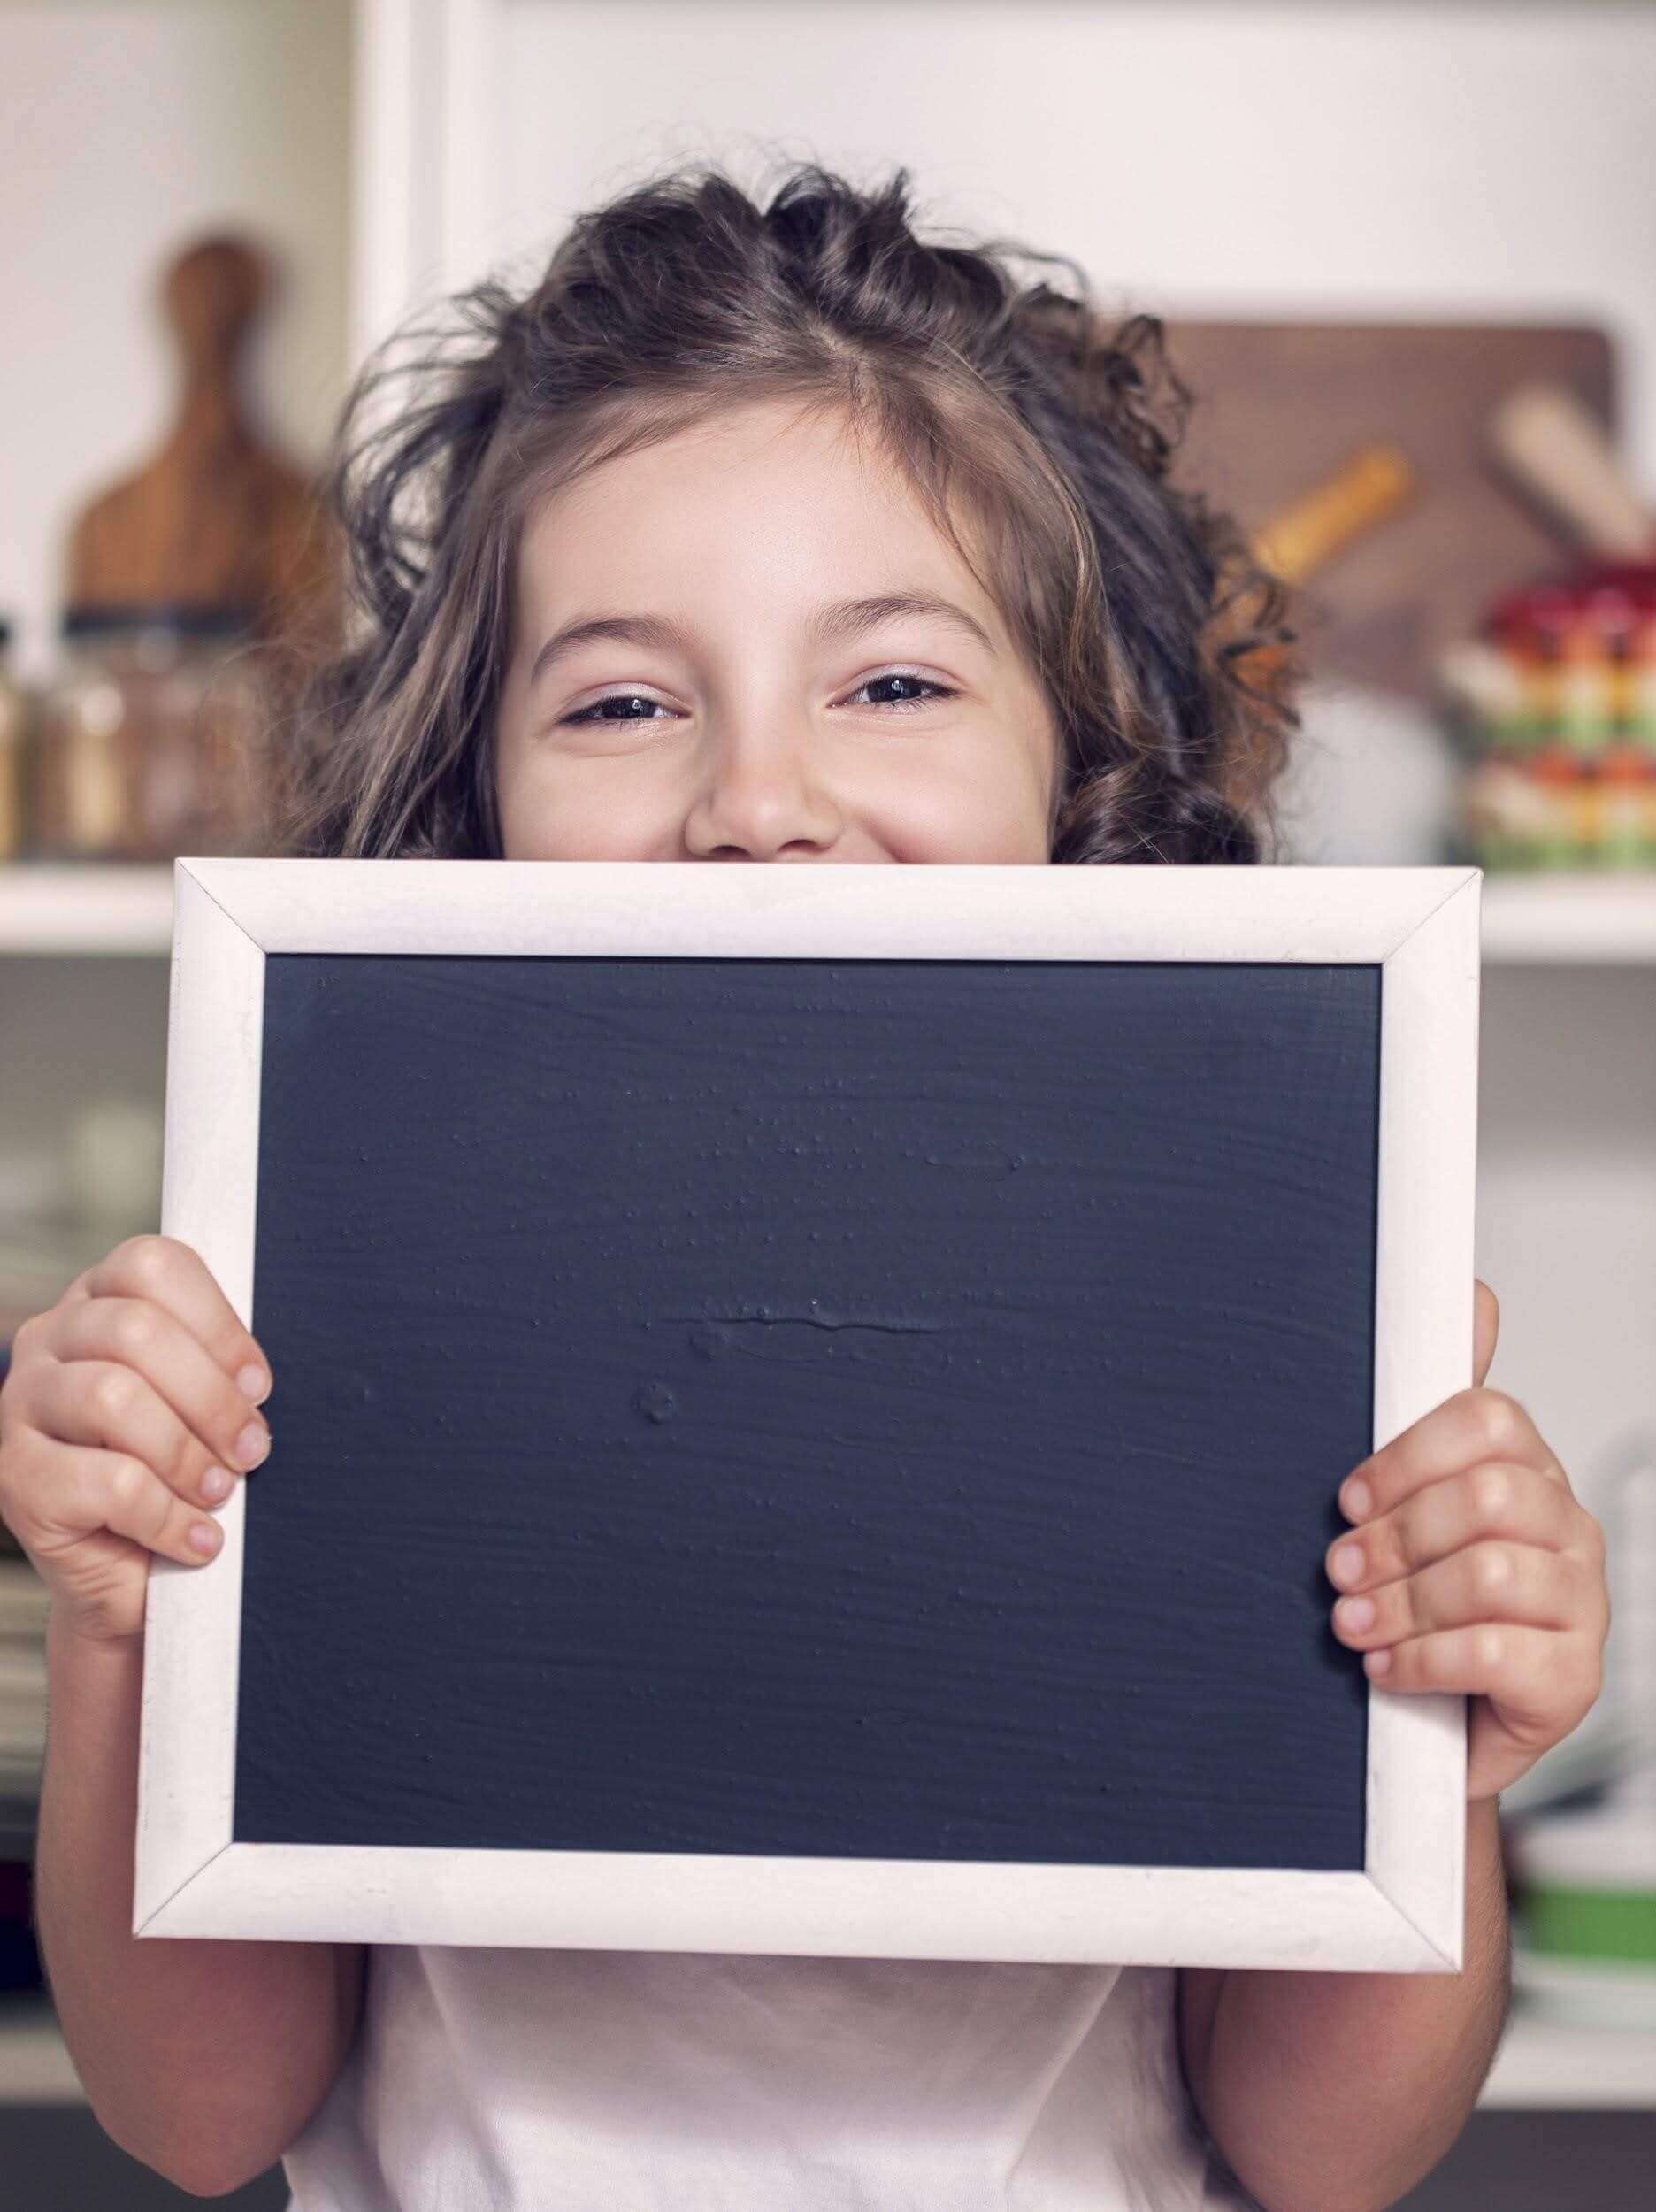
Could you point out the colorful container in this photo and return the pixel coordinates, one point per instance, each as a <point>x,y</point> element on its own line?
<point>1558,699</point>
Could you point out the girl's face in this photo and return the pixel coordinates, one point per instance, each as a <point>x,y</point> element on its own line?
<point>747,642</point>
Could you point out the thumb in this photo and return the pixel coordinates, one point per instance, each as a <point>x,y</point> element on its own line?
<point>1485,1327</point>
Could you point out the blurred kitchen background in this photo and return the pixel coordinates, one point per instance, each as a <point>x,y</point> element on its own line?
<point>1406,254</point>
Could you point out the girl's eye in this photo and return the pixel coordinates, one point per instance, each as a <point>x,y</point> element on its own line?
<point>901,676</point>
<point>598,712</point>
<point>595,712</point>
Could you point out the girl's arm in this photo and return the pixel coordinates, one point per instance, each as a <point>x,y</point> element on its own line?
<point>202,2060</point>
<point>1337,2093</point>
<point>1471,1566</point>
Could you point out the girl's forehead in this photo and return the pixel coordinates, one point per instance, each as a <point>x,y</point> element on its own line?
<point>764,494</point>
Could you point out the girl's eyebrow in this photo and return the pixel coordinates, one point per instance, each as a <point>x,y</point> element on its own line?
<point>835,624</point>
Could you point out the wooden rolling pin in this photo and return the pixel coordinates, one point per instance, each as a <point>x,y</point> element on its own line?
<point>1559,452</point>
<point>1365,491</point>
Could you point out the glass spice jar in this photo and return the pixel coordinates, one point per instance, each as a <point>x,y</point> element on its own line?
<point>152,736</point>
<point>13,756</point>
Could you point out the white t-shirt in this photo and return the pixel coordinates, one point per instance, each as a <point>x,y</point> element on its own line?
<point>517,2080</point>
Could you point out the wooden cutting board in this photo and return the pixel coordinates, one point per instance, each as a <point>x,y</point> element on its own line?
<point>217,516</point>
<point>1279,406</point>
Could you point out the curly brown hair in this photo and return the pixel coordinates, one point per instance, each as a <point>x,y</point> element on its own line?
<point>1139,609</point>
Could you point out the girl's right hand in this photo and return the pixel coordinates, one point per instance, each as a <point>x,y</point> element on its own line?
<point>120,1401</point>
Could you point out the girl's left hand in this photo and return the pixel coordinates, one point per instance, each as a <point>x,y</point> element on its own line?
<point>1473,1567</point>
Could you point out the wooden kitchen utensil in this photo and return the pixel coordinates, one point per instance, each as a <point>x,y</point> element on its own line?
<point>1557,451</point>
<point>217,518</point>
<point>1362,494</point>
<point>1303,536</point>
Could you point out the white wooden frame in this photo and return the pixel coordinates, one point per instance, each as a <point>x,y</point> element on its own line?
<point>1403,1913</point>
<point>423,158</point>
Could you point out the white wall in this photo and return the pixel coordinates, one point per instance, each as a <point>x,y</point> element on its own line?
<point>1452,160</point>
<point>123,131</point>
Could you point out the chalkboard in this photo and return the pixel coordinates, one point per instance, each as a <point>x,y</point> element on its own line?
<point>807,1416</point>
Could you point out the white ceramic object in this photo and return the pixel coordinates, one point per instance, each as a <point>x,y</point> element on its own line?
<point>1373,780</point>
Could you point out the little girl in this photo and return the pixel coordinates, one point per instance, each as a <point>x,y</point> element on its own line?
<point>769,532</point>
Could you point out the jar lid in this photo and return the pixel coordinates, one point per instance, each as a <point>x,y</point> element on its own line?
<point>1549,601</point>
<point>185,618</point>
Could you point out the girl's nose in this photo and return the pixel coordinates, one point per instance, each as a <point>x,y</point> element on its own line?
<point>761,798</point>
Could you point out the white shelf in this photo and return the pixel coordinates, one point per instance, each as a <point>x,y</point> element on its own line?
<point>94,909</point>
<point>1540,2066</point>
<point>111,911</point>
<point>1554,920</point>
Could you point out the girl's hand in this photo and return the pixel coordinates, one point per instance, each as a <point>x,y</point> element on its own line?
<point>120,1401</point>
<point>1475,1568</point>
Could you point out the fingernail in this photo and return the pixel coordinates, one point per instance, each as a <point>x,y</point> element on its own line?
<point>252,1445</point>
<point>1355,1613</point>
<point>1347,1563</point>
<point>254,1383</point>
<point>1358,1501</point>
<point>215,1484</point>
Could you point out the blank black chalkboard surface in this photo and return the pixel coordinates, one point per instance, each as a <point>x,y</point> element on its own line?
<point>808,1406</point>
